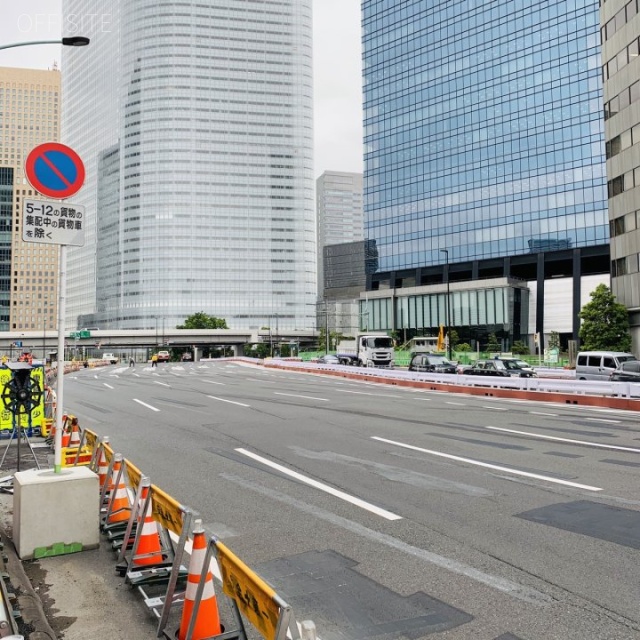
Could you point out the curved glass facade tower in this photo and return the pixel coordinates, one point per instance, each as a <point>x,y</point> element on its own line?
<point>195,120</point>
<point>483,129</point>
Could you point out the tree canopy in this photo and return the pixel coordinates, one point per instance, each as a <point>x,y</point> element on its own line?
<point>605,323</point>
<point>203,320</point>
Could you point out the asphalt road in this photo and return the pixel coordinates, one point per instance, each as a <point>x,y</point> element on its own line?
<point>381,512</point>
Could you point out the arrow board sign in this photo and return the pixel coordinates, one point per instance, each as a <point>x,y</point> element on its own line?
<point>53,222</point>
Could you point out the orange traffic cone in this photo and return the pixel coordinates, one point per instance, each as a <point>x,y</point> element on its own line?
<point>74,438</point>
<point>120,505</point>
<point>149,543</point>
<point>207,622</point>
<point>66,438</point>
<point>103,465</point>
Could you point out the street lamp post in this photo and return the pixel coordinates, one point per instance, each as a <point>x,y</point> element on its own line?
<point>74,41</point>
<point>448,308</point>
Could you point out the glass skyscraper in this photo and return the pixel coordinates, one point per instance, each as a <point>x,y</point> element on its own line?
<point>483,129</point>
<point>195,122</point>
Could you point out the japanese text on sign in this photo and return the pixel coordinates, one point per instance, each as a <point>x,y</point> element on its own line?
<point>166,510</point>
<point>254,597</point>
<point>52,222</point>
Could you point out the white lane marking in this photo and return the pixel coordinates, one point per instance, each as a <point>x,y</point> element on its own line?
<point>496,467</point>
<point>144,404</point>
<point>262,381</point>
<point>458,404</point>
<point>542,413</point>
<point>240,404</point>
<point>222,384</point>
<point>137,375</point>
<point>293,395</point>
<point>415,553</point>
<point>604,420</point>
<point>366,393</point>
<point>164,384</point>
<point>424,399</point>
<point>599,445</point>
<point>95,376</point>
<point>495,408</point>
<point>107,385</point>
<point>323,487</point>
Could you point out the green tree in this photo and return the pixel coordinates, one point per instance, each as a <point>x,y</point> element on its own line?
<point>605,322</point>
<point>454,338</point>
<point>554,340</point>
<point>493,344</point>
<point>203,320</point>
<point>520,348</point>
<point>463,347</point>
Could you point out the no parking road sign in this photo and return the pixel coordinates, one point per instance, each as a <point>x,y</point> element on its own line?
<point>55,170</point>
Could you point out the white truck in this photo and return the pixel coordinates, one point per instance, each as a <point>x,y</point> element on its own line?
<point>368,350</point>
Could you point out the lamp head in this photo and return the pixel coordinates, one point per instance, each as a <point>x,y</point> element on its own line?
<point>75,41</point>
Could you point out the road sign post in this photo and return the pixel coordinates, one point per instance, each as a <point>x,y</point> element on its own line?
<point>55,171</point>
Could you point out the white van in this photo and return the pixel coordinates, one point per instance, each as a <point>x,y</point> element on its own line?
<point>599,365</point>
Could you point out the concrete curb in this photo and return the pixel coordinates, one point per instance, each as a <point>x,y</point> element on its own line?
<point>626,404</point>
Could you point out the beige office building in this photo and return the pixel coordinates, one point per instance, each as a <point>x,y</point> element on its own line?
<point>29,115</point>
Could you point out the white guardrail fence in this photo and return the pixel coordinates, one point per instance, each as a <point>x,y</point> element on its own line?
<point>563,384</point>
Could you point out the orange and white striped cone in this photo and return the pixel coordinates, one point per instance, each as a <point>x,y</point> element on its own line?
<point>149,543</point>
<point>103,465</point>
<point>207,623</point>
<point>120,506</point>
<point>74,440</point>
<point>66,438</point>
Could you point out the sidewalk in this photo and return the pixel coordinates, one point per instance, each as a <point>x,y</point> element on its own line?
<point>77,596</point>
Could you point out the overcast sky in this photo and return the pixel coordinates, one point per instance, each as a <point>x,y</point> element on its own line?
<point>337,68</point>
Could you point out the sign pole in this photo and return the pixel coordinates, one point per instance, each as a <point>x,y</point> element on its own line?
<point>62,294</point>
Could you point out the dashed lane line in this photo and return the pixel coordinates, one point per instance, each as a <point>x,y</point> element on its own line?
<point>293,395</point>
<point>240,404</point>
<point>584,443</point>
<point>486,465</point>
<point>383,513</point>
<point>144,404</point>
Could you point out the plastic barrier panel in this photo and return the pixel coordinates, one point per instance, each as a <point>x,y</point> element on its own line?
<point>253,596</point>
<point>133,475</point>
<point>166,510</point>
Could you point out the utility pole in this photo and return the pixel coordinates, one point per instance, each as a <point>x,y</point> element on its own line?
<point>448,305</point>
<point>326,325</point>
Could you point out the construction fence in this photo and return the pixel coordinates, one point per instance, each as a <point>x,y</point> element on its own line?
<point>150,533</point>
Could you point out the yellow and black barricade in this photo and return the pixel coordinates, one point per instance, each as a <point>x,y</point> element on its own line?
<point>250,596</point>
<point>174,518</point>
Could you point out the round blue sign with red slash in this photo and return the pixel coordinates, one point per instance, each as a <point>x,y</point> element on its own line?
<point>55,170</point>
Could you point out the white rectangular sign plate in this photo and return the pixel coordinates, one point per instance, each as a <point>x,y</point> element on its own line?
<point>53,222</point>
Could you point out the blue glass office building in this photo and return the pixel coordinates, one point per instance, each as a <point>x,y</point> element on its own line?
<point>484,133</point>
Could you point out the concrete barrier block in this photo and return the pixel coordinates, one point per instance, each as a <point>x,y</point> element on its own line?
<point>55,513</point>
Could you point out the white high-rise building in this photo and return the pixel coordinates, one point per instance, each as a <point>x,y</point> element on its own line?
<point>195,124</point>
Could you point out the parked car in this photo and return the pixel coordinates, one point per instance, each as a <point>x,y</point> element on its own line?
<point>329,359</point>
<point>164,356</point>
<point>599,365</point>
<point>187,356</point>
<point>110,357</point>
<point>518,368</point>
<point>432,363</point>
<point>488,368</point>
<point>627,372</point>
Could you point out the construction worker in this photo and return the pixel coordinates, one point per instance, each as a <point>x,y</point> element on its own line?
<point>132,362</point>
<point>154,360</point>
